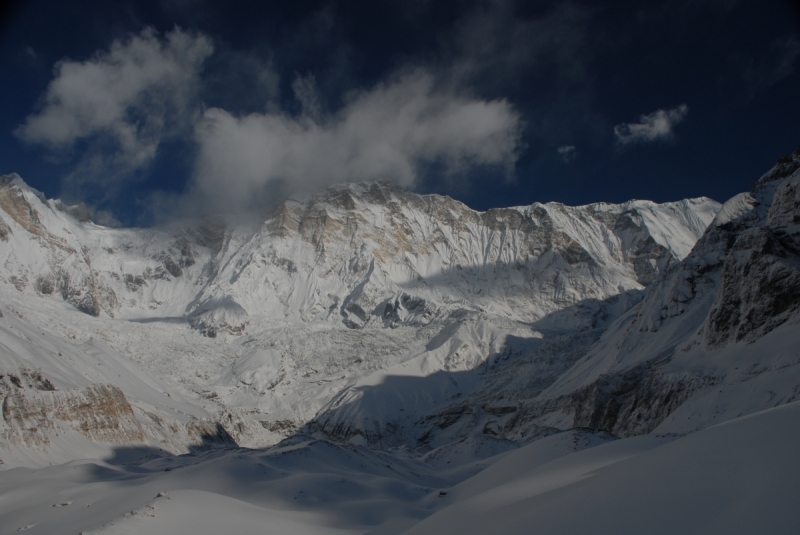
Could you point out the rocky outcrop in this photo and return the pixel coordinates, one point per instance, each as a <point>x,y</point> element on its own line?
<point>14,203</point>
<point>98,412</point>
<point>759,288</point>
<point>625,404</point>
<point>405,309</point>
<point>219,315</point>
<point>184,437</point>
<point>760,280</point>
<point>35,412</point>
<point>4,230</point>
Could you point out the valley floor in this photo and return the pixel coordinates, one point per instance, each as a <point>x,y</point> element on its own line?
<point>737,477</point>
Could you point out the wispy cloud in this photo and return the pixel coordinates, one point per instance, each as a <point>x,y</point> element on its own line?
<point>655,126</point>
<point>391,131</point>
<point>122,102</point>
<point>774,66</point>
<point>306,94</point>
<point>567,152</point>
<point>493,46</point>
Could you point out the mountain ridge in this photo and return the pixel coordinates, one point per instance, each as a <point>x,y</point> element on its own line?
<point>303,302</point>
<point>439,227</point>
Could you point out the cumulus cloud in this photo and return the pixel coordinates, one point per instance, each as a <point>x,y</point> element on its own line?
<point>654,126</point>
<point>122,101</point>
<point>389,132</point>
<point>567,152</point>
<point>110,114</point>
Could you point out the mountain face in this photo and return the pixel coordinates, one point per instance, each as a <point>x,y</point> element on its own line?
<point>371,314</point>
<point>355,254</point>
<point>352,285</point>
<point>383,352</point>
<point>712,339</point>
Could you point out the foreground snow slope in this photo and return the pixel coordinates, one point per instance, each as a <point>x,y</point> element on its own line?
<point>737,477</point>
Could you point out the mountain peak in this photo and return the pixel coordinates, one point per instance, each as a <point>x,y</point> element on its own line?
<point>378,192</point>
<point>786,165</point>
<point>13,180</point>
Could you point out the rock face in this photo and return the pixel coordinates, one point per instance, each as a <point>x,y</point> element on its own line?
<point>707,319</point>
<point>49,262</point>
<point>760,280</point>
<point>61,400</point>
<point>31,418</point>
<point>98,412</point>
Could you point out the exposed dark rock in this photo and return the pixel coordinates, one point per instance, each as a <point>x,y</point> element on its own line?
<point>170,265</point>
<point>284,427</point>
<point>406,310</point>
<point>204,434</point>
<point>134,282</point>
<point>99,412</point>
<point>20,283</point>
<point>45,284</point>
<point>4,230</point>
<point>210,233</point>
<point>759,289</point>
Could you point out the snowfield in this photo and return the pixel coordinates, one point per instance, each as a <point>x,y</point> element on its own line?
<point>736,477</point>
<point>376,361</point>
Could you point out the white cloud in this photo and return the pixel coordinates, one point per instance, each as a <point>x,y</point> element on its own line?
<point>567,152</point>
<point>115,109</point>
<point>131,95</point>
<point>651,127</point>
<point>305,92</point>
<point>390,132</point>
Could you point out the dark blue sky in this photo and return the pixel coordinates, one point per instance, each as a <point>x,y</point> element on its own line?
<point>143,109</point>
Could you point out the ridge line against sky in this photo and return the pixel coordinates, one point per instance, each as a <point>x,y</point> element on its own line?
<point>151,110</point>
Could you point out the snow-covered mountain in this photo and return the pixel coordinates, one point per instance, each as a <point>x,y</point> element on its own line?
<point>387,351</point>
<point>356,253</point>
<point>360,279</point>
<point>713,338</point>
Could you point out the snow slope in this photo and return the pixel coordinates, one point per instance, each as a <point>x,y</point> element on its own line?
<point>48,382</point>
<point>737,477</point>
